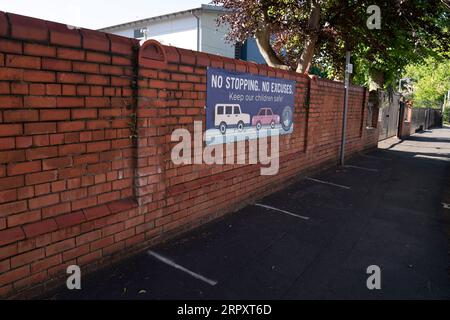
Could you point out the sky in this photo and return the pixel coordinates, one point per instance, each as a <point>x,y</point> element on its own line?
<point>96,14</point>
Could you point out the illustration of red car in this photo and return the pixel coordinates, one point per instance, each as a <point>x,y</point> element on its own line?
<point>265,117</point>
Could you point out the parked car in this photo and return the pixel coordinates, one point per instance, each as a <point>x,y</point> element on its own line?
<point>265,116</point>
<point>230,115</point>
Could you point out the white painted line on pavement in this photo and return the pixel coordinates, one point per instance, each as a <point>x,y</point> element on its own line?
<point>431,157</point>
<point>361,168</point>
<point>446,205</point>
<point>177,266</point>
<point>283,211</point>
<point>329,183</point>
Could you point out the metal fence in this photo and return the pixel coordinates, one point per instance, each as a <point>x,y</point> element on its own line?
<point>425,118</point>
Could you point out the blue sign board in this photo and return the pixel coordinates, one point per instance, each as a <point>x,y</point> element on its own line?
<point>243,106</point>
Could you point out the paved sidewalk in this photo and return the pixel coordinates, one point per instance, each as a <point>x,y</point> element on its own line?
<point>389,215</point>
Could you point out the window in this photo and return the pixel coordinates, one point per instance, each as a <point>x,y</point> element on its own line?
<point>262,112</point>
<point>139,33</point>
<point>237,110</point>
<point>220,110</point>
<point>229,110</point>
<point>269,112</point>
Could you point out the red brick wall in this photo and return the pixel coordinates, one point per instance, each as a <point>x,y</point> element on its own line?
<point>85,125</point>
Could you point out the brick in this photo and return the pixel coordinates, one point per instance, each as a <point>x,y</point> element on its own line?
<point>98,57</point>
<point>53,89</point>
<point>56,163</point>
<point>102,102</point>
<point>64,77</point>
<point>27,257</point>
<point>38,228</point>
<point>11,182</point>
<point>41,153</point>
<point>41,177</point>
<point>39,50</point>
<point>19,88</point>
<point>8,195</point>
<point>20,115</point>
<point>39,76</point>
<point>37,89</point>
<point>43,201</point>
<point>12,208</point>
<point>55,210</point>
<point>24,218</point>
<point>10,235</point>
<point>8,102</point>
<point>84,114</point>
<point>76,252</point>
<point>19,61</point>
<point>41,140</point>
<point>96,212</point>
<point>51,115</point>
<point>24,142</point>
<point>24,167</point>
<point>69,149</point>
<point>7,143</point>
<point>70,54</point>
<point>85,67</point>
<point>40,128</point>
<point>111,70</point>
<point>10,130</point>
<point>12,156</point>
<point>96,79</point>
<point>5,266</point>
<point>11,74</point>
<point>14,275</point>
<point>71,126</point>
<point>56,65</point>
<point>4,26</point>
<point>4,86</point>
<point>98,146</point>
<point>60,247</point>
<point>70,102</point>
<point>70,219</point>
<point>61,35</point>
<point>28,28</point>
<point>69,89</point>
<point>88,237</point>
<point>89,258</point>
<point>46,263</point>
<point>122,45</point>
<point>95,40</point>
<point>40,102</point>
<point>10,46</point>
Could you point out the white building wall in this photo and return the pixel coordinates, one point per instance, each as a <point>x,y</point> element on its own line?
<point>181,31</point>
<point>213,37</point>
<point>178,31</point>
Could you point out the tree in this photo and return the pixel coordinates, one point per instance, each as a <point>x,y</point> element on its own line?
<point>295,34</point>
<point>430,81</point>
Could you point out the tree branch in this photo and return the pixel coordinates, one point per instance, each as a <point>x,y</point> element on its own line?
<point>263,41</point>
<point>311,39</point>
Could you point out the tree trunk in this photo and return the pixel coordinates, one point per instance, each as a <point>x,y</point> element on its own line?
<point>376,80</point>
<point>264,46</point>
<point>311,40</point>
